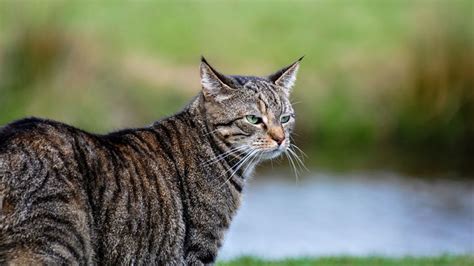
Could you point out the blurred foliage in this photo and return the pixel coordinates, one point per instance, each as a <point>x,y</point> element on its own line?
<point>382,82</point>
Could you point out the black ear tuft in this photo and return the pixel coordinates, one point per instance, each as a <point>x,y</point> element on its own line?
<point>203,60</point>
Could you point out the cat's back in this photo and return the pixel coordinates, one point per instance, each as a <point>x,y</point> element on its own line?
<point>33,149</point>
<point>35,132</point>
<point>34,140</point>
<point>41,189</point>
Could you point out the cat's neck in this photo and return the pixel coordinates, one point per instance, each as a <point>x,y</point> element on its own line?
<point>219,149</point>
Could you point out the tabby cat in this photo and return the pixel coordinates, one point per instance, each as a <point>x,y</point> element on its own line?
<point>159,195</point>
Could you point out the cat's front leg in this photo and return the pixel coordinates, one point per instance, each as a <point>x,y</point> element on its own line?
<point>192,260</point>
<point>203,256</point>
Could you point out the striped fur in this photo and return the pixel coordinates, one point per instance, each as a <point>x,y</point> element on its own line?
<point>158,195</point>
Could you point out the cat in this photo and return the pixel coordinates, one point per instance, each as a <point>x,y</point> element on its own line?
<point>161,195</point>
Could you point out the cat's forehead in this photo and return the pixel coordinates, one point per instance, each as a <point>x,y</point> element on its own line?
<point>255,84</point>
<point>261,91</point>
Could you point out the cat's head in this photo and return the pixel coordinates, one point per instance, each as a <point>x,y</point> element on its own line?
<point>250,114</point>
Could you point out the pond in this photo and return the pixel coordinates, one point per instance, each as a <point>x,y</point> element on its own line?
<point>360,214</point>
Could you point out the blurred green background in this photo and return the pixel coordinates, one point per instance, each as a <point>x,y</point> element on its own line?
<point>385,94</point>
<point>384,84</point>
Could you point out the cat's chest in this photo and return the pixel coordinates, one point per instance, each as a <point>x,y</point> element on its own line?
<point>146,224</point>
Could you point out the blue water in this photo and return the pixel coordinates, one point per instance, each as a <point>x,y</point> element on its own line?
<point>358,214</point>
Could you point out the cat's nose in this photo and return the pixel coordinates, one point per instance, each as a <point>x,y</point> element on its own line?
<point>277,134</point>
<point>279,140</point>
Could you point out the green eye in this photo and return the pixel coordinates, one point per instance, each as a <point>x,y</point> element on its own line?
<point>252,119</point>
<point>285,118</point>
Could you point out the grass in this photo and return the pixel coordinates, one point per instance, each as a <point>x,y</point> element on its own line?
<point>354,261</point>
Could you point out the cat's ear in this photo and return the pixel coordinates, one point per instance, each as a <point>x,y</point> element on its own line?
<point>286,77</point>
<point>215,85</point>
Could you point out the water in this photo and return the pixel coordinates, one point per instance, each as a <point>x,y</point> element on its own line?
<point>359,214</point>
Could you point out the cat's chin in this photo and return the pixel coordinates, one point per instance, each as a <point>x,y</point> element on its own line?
<point>272,154</point>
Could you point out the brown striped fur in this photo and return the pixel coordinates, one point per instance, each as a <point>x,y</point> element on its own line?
<point>162,194</point>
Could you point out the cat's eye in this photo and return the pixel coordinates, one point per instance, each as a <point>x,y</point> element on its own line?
<point>285,118</point>
<point>253,119</point>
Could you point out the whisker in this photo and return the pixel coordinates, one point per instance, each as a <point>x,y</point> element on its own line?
<point>229,151</point>
<point>224,155</point>
<point>294,134</point>
<point>301,151</point>
<point>292,164</point>
<point>249,164</point>
<point>298,160</point>
<point>249,160</point>
<point>252,162</point>
<point>238,166</point>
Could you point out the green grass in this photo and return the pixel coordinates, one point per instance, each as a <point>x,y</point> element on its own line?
<point>354,261</point>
